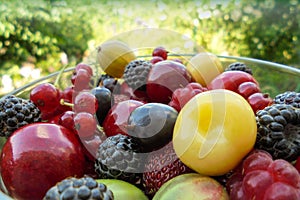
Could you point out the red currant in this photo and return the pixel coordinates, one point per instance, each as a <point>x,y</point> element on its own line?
<point>67,120</point>
<point>81,80</point>
<point>279,190</point>
<point>46,97</point>
<point>85,102</point>
<point>85,124</point>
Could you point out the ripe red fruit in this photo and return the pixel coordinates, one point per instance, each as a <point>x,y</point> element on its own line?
<point>264,178</point>
<point>161,166</point>
<point>84,66</point>
<point>182,95</point>
<point>259,101</point>
<point>46,97</point>
<point>161,52</point>
<point>37,156</point>
<point>156,59</point>
<point>164,78</point>
<point>85,124</point>
<point>244,84</point>
<point>67,120</point>
<point>81,80</point>
<point>116,119</point>
<point>85,102</point>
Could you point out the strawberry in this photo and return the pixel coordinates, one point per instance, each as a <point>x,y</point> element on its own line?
<point>161,166</point>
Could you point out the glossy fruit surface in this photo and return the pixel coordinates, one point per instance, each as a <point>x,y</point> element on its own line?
<point>123,190</point>
<point>214,131</point>
<point>161,52</point>
<point>182,95</point>
<point>116,119</point>
<point>191,186</point>
<point>37,156</point>
<point>152,124</point>
<point>46,97</point>
<point>164,78</point>
<point>204,67</point>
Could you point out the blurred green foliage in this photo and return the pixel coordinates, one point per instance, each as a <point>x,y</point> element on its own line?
<point>37,32</point>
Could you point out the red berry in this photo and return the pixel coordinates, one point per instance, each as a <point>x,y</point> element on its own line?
<point>161,52</point>
<point>247,88</point>
<point>259,101</point>
<point>182,95</point>
<point>81,80</point>
<point>46,97</point>
<point>87,67</point>
<point>256,161</point>
<point>85,124</point>
<point>281,191</point>
<point>67,120</point>
<point>255,183</point>
<point>85,102</point>
<point>156,59</point>
<point>283,171</point>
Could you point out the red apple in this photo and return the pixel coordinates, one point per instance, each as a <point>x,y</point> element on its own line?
<point>37,156</point>
<point>164,78</point>
<point>116,120</point>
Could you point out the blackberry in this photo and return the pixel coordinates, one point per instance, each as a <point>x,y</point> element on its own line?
<point>136,73</point>
<point>110,83</point>
<point>289,97</point>
<point>120,157</point>
<point>239,67</point>
<point>84,188</point>
<point>278,131</point>
<point>16,112</point>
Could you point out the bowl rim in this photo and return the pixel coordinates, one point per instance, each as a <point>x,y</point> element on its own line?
<point>280,67</point>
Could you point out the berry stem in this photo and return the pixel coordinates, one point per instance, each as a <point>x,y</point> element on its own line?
<point>56,83</point>
<point>62,102</point>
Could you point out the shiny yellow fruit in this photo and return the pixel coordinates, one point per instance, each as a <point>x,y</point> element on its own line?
<point>113,56</point>
<point>214,131</point>
<point>204,67</point>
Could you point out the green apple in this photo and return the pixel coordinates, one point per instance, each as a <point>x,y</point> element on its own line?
<point>123,190</point>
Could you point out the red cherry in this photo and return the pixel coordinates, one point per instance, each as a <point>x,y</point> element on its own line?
<point>259,101</point>
<point>230,80</point>
<point>37,156</point>
<point>161,52</point>
<point>85,124</point>
<point>116,120</point>
<point>156,59</point>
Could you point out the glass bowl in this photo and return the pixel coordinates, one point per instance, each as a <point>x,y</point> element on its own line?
<point>273,79</point>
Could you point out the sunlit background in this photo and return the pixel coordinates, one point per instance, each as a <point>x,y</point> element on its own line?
<point>39,37</point>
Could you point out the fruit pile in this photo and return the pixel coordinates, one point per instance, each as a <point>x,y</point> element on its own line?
<point>158,128</point>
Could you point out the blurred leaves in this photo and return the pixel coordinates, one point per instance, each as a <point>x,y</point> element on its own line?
<point>37,32</point>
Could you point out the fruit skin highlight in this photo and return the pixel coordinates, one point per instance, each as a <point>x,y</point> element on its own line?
<point>113,56</point>
<point>191,186</point>
<point>214,131</point>
<point>204,67</point>
<point>37,156</point>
